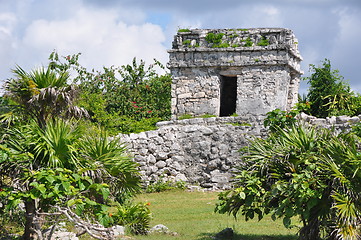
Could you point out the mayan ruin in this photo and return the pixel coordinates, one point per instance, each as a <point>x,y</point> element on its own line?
<point>234,71</point>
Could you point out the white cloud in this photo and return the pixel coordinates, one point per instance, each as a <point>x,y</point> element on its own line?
<point>7,22</point>
<point>102,39</point>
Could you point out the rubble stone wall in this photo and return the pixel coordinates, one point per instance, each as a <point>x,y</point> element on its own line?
<point>204,151</point>
<point>199,151</point>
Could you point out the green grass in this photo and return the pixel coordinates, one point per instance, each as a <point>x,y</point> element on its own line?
<point>191,215</point>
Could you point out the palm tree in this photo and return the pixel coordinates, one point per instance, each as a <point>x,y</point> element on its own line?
<point>43,94</point>
<point>306,172</point>
<point>64,144</point>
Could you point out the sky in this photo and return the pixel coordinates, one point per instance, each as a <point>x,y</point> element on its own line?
<point>113,32</point>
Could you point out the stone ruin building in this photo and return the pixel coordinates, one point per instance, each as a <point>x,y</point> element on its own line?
<point>218,72</point>
<point>225,71</point>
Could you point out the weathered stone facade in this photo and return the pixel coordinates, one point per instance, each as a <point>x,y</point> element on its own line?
<point>224,71</point>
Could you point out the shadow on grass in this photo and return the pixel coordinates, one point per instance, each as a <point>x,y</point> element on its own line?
<point>211,236</point>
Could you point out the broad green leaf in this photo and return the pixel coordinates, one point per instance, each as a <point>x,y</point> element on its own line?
<point>287,222</point>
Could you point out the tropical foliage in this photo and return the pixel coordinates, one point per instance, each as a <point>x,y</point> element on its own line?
<point>129,98</point>
<point>301,172</point>
<point>53,166</point>
<point>42,94</point>
<point>329,94</point>
<point>37,168</point>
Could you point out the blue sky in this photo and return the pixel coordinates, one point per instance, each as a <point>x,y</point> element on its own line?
<point>112,32</point>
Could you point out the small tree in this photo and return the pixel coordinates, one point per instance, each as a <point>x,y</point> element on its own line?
<point>329,94</point>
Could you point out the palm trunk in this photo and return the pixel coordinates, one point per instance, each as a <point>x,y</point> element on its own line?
<point>29,220</point>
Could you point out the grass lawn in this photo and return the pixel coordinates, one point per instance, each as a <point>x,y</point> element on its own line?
<point>191,215</point>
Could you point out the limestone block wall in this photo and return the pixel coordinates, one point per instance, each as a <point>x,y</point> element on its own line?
<point>198,151</point>
<point>204,151</point>
<point>262,89</point>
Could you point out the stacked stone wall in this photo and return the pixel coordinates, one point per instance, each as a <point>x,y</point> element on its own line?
<point>199,151</point>
<point>205,151</point>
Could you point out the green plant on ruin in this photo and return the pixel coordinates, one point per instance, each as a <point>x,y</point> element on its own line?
<point>187,42</point>
<point>221,45</point>
<point>207,116</point>
<point>248,43</point>
<point>216,40</point>
<point>185,116</point>
<point>263,42</point>
<point>184,30</point>
<point>234,36</point>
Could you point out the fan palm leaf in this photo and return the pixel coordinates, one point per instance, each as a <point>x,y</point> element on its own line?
<point>109,155</point>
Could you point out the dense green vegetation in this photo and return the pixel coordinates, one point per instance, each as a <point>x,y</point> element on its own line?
<point>329,94</point>
<point>57,159</point>
<point>57,165</point>
<point>129,98</point>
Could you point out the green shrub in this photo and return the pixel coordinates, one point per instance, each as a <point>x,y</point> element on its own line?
<point>161,186</point>
<point>278,119</point>
<point>125,99</point>
<point>300,172</point>
<point>136,217</point>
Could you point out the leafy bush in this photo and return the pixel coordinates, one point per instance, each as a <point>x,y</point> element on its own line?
<point>161,186</point>
<point>305,172</point>
<point>134,216</point>
<point>278,119</point>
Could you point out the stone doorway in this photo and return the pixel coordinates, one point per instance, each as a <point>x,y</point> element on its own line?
<point>228,97</point>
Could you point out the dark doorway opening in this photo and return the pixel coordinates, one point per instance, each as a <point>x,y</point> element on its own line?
<point>228,96</point>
